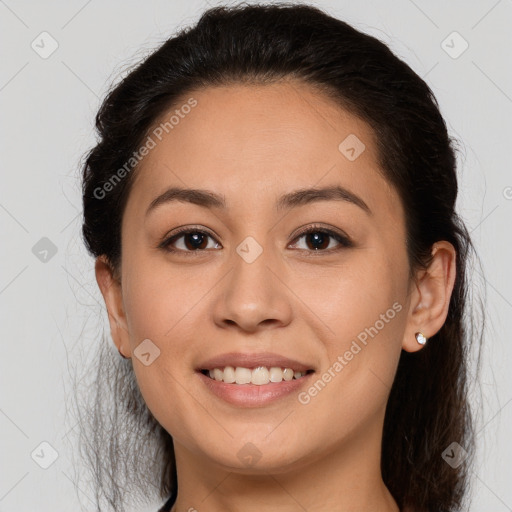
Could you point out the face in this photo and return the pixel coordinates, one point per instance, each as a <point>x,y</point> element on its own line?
<point>247,282</point>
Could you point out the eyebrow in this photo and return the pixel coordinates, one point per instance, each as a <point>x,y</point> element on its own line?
<point>301,197</point>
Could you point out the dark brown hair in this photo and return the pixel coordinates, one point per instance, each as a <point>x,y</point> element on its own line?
<point>428,407</point>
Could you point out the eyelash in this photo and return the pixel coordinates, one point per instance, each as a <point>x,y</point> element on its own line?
<point>344,241</point>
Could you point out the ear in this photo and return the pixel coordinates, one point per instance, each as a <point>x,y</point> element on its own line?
<point>110,286</point>
<point>430,300</point>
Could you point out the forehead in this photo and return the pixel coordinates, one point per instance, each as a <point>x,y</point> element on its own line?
<point>255,142</point>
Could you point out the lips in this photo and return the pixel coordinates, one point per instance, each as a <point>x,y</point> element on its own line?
<point>254,360</point>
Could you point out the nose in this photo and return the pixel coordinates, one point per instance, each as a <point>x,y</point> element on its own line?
<point>253,295</point>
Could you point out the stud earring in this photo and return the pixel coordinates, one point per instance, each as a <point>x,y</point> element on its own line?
<point>420,338</point>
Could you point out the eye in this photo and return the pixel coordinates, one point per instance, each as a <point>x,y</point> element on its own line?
<point>319,239</point>
<point>196,240</point>
<point>193,240</point>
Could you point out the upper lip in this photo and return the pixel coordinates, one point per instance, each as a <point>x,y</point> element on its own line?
<point>252,361</point>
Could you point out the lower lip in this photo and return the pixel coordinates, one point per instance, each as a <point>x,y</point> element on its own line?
<point>252,395</point>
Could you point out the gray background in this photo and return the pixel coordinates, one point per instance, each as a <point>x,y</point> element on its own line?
<point>52,312</point>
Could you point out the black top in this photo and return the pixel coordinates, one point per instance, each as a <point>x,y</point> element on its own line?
<point>168,504</point>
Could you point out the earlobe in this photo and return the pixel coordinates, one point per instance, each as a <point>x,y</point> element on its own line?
<point>431,297</point>
<point>111,291</point>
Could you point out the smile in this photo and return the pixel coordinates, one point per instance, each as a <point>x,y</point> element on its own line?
<point>259,376</point>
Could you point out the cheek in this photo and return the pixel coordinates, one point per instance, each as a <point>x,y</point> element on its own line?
<point>353,387</point>
<point>363,302</point>
<point>156,299</point>
<point>161,306</point>
<point>366,320</point>
<point>156,312</point>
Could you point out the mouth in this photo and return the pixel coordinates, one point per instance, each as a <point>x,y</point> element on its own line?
<point>258,386</point>
<point>259,375</point>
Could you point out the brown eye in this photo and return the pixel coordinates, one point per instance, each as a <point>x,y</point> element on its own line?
<point>196,241</point>
<point>320,239</point>
<point>193,240</point>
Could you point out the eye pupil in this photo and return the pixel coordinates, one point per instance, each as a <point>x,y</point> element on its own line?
<point>319,238</point>
<point>198,240</point>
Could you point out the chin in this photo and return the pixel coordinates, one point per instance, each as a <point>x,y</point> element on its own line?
<point>257,455</point>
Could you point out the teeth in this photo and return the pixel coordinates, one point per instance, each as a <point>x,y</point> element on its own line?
<point>228,374</point>
<point>242,375</point>
<point>259,376</point>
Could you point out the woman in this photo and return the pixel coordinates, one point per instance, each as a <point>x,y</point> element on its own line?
<point>271,206</point>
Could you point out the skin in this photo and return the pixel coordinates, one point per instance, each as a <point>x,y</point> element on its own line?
<point>253,143</point>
